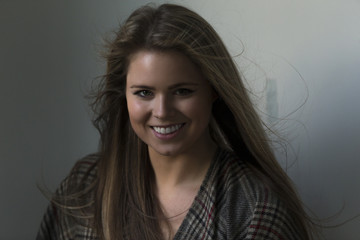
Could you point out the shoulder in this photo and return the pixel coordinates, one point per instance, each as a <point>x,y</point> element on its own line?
<point>239,181</point>
<point>84,169</point>
<point>77,189</point>
<point>250,209</point>
<point>61,219</point>
<point>82,175</point>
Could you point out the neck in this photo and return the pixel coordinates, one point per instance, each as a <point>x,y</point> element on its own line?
<point>183,170</point>
<point>178,179</point>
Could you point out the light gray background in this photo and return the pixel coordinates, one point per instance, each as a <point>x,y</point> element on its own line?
<point>49,56</point>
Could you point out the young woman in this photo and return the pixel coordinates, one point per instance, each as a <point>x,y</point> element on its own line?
<point>183,153</point>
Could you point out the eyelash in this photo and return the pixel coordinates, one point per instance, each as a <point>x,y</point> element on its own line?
<point>147,93</point>
<point>186,90</point>
<point>143,93</point>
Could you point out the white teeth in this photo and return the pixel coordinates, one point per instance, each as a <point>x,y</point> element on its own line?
<point>167,130</point>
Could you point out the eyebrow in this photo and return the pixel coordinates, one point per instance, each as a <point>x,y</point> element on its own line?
<point>171,87</point>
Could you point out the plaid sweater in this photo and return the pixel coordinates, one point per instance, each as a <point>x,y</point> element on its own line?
<point>231,204</point>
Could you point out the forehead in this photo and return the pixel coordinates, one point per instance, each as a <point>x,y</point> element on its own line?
<point>156,66</point>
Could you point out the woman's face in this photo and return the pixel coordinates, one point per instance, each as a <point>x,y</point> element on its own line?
<point>169,102</point>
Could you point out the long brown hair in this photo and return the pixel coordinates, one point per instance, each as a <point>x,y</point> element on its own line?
<point>125,205</point>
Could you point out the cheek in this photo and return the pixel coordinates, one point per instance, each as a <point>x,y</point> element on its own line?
<point>199,110</point>
<point>137,112</point>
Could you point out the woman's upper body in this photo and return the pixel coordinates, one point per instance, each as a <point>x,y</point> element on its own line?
<point>231,204</point>
<point>170,97</point>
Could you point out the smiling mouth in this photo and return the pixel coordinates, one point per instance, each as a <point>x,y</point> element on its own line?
<point>169,129</point>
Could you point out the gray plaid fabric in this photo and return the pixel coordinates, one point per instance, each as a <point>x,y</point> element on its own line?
<point>231,204</point>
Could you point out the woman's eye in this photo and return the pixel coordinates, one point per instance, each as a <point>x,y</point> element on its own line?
<point>143,93</point>
<point>183,91</point>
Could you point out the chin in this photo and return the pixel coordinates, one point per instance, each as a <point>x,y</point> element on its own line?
<point>167,152</point>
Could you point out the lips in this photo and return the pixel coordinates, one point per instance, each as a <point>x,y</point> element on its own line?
<point>168,129</point>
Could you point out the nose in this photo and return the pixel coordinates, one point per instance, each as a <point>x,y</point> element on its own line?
<point>163,107</point>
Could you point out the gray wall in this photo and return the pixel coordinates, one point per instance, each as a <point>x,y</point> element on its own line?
<point>49,56</point>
